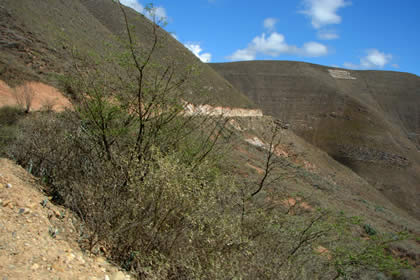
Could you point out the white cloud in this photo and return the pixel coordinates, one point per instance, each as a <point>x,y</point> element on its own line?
<point>274,45</point>
<point>133,4</point>
<point>327,35</point>
<point>159,12</point>
<point>156,13</point>
<point>324,12</point>
<point>270,23</point>
<point>314,49</point>
<point>241,55</point>
<point>196,50</point>
<point>373,59</point>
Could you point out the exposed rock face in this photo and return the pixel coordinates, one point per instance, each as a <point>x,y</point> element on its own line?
<point>367,120</point>
<point>209,110</point>
<point>341,74</point>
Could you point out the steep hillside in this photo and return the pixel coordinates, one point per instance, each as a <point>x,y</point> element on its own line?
<point>37,39</point>
<point>38,240</point>
<point>367,120</point>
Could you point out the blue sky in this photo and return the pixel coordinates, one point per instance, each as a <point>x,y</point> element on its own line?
<point>355,34</point>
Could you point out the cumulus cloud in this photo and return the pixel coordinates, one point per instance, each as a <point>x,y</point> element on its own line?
<point>242,55</point>
<point>197,51</point>
<point>373,59</point>
<point>274,45</point>
<point>324,12</point>
<point>270,23</point>
<point>313,49</point>
<point>158,13</point>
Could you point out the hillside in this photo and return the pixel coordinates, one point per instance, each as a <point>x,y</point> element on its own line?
<point>367,120</point>
<point>38,38</point>
<point>38,240</point>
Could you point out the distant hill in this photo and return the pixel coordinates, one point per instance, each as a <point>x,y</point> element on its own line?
<point>367,120</point>
<point>36,39</point>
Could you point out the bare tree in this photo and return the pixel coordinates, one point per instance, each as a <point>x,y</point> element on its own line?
<point>24,97</point>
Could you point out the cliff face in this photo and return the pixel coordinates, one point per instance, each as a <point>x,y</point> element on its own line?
<point>367,120</point>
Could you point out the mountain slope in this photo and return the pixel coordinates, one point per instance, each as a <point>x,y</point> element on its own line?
<point>367,120</point>
<point>37,39</point>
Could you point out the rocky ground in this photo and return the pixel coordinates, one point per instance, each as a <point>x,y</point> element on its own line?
<point>38,239</point>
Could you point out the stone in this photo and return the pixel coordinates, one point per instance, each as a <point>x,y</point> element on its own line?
<point>81,259</point>
<point>118,276</point>
<point>8,186</point>
<point>70,257</point>
<point>58,267</point>
<point>24,211</point>
<point>101,261</point>
<point>6,203</point>
<point>44,202</point>
<point>35,266</point>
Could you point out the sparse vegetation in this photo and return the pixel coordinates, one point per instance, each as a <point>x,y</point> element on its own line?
<point>9,117</point>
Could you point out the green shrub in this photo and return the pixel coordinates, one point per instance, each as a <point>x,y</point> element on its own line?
<point>8,119</point>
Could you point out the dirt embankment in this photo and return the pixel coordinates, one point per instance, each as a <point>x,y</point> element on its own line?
<point>38,239</point>
<point>34,96</point>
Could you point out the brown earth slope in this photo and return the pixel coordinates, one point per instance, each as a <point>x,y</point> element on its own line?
<point>38,240</point>
<point>367,120</point>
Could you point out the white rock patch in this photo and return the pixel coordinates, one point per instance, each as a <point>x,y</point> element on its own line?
<point>341,74</point>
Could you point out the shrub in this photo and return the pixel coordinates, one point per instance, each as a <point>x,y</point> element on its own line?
<point>8,119</point>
